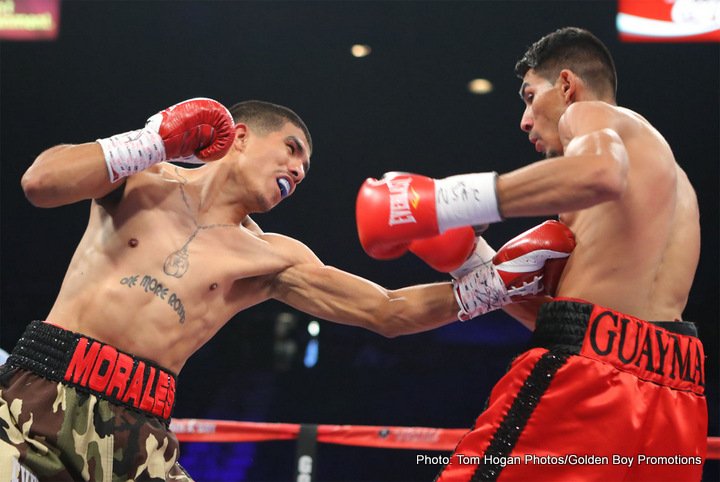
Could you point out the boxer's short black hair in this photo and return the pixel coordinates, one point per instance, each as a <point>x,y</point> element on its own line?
<point>575,49</point>
<point>268,117</point>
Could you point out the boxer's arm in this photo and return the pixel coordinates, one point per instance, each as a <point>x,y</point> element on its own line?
<point>65,174</point>
<point>335,295</point>
<point>196,130</point>
<point>401,208</point>
<point>593,168</point>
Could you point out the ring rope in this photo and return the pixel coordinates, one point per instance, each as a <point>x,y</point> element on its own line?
<point>381,436</point>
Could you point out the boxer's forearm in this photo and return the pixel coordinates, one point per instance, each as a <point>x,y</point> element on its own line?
<point>66,174</point>
<point>338,296</point>
<point>421,308</point>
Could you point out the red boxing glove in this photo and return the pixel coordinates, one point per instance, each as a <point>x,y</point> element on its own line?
<point>197,127</point>
<point>539,252</point>
<point>393,211</point>
<point>448,251</point>
<point>518,270</point>
<point>401,208</point>
<point>196,130</point>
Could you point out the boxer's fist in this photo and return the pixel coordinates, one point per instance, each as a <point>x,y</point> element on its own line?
<point>401,207</point>
<point>393,211</point>
<point>516,271</point>
<point>448,251</point>
<point>539,252</point>
<point>197,127</point>
<point>197,130</point>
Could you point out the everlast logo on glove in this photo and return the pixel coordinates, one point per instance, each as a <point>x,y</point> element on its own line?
<point>646,350</point>
<point>112,374</point>
<point>400,191</point>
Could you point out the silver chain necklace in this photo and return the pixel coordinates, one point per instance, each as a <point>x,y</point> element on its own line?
<point>178,262</point>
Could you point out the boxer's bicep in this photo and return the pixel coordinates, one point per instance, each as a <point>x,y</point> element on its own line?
<point>307,284</point>
<point>330,294</point>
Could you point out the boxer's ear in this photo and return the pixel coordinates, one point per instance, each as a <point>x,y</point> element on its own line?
<point>242,132</point>
<point>569,83</point>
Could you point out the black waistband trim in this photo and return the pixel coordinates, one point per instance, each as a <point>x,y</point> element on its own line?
<point>561,326</point>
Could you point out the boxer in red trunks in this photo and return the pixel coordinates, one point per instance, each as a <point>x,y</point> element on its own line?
<point>620,396</point>
<point>600,396</point>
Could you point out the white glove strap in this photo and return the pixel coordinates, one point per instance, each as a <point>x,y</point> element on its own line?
<point>466,200</point>
<point>480,291</point>
<point>131,152</point>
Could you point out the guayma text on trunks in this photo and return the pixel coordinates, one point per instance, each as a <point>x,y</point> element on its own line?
<point>647,350</point>
<point>105,370</point>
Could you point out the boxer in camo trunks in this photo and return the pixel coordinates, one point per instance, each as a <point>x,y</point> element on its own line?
<point>169,255</point>
<point>109,412</point>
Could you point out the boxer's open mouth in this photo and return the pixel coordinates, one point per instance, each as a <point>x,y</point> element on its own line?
<point>284,186</point>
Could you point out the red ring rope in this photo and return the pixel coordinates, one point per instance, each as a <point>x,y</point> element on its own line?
<point>423,438</point>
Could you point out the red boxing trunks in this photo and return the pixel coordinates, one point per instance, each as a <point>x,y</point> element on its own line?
<point>599,396</point>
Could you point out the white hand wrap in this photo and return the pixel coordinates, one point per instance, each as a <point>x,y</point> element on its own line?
<point>131,152</point>
<point>482,254</point>
<point>466,200</point>
<point>480,291</point>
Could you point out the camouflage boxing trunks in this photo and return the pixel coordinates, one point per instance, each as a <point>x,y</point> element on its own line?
<point>75,409</point>
<point>599,396</point>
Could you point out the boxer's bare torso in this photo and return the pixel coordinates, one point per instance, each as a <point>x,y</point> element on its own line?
<point>637,254</point>
<point>638,247</point>
<point>155,277</point>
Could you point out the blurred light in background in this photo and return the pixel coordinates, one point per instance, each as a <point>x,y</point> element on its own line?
<point>669,20</point>
<point>284,344</point>
<point>313,347</point>
<point>360,50</point>
<point>480,86</point>
<point>313,328</point>
<point>29,19</point>
<point>311,353</point>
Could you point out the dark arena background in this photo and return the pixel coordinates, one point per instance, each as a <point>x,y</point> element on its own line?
<point>406,107</point>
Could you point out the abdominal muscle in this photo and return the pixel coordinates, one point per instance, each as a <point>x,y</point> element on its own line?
<point>121,295</point>
<point>643,272</point>
<point>136,314</point>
